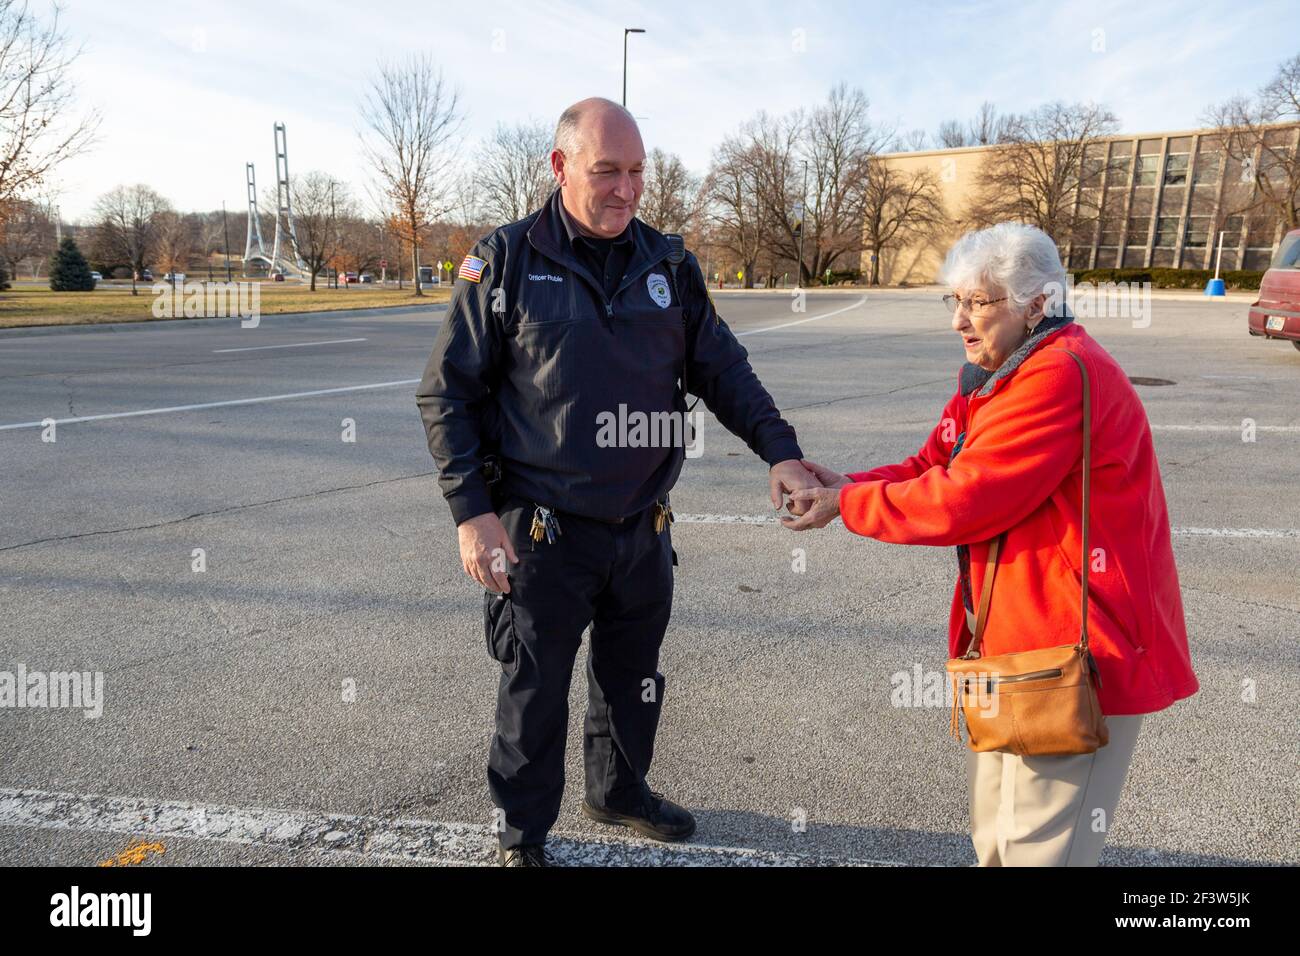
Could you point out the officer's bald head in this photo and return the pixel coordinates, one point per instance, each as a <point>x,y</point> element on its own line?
<point>598,160</point>
<point>594,118</point>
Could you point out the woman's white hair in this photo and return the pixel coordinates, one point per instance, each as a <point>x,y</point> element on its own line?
<point>1019,259</point>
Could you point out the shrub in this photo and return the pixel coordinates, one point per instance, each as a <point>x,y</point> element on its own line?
<point>1170,278</point>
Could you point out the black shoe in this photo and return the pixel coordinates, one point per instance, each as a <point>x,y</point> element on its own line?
<point>661,819</point>
<point>535,854</point>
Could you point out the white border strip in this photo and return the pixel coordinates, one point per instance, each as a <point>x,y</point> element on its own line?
<point>424,841</point>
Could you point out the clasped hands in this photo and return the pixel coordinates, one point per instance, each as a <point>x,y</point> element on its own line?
<point>814,501</point>
<point>813,489</point>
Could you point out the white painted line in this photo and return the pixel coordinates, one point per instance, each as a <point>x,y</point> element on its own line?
<point>295,345</point>
<point>233,401</point>
<point>425,841</point>
<point>1223,428</point>
<point>1181,532</point>
<point>811,318</point>
<point>1237,532</point>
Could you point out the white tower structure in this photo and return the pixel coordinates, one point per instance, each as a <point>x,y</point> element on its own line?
<point>284,250</point>
<point>253,247</point>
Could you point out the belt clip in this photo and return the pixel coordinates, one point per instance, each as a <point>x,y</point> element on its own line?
<point>545,525</point>
<point>663,514</point>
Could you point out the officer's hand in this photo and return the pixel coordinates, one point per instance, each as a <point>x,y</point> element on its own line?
<point>484,549</point>
<point>789,476</point>
<point>827,477</point>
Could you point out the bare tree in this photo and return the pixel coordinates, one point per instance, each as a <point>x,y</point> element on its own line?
<point>1035,175</point>
<point>37,129</point>
<point>513,174</point>
<point>26,232</point>
<point>990,127</point>
<point>899,209</point>
<point>913,141</point>
<point>320,203</point>
<point>413,120</point>
<point>1263,152</point>
<point>951,134</point>
<point>837,141</point>
<point>735,210</point>
<point>987,128</point>
<point>670,195</point>
<point>361,244</point>
<point>128,220</point>
<point>176,235</point>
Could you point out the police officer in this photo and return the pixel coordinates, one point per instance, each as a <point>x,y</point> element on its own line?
<point>562,328</point>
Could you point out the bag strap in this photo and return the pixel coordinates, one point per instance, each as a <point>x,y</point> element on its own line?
<point>986,593</point>
<point>676,256</point>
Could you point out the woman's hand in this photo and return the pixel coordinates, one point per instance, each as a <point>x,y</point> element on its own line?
<point>823,507</point>
<point>825,477</point>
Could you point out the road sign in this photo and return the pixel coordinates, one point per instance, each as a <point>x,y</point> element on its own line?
<point>383,263</point>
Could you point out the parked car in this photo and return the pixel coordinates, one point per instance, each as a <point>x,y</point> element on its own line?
<point>277,276</point>
<point>146,276</point>
<point>350,277</point>
<point>96,276</point>
<point>367,277</point>
<point>174,277</point>
<point>1276,313</point>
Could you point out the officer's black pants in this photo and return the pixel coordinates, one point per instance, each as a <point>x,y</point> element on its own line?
<point>618,579</point>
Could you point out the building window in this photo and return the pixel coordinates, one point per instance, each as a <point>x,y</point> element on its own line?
<point>1146,170</point>
<point>1207,168</point>
<point>1092,170</point>
<point>1176,169</point>
<point>1119,170</point>
<point>1198,232</point>
<point>1167,232</point>
<point>1231,230</point>
<point>1137,231</point>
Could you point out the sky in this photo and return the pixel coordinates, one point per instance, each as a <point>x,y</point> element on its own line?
<point>189,91</point>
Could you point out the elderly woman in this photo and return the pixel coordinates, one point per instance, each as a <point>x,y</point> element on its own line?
<point>1004,464</point>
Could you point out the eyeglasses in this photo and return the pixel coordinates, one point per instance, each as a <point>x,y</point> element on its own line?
<point>973,305</point>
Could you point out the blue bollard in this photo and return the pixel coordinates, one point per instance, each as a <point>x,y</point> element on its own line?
<point>1214,287</point>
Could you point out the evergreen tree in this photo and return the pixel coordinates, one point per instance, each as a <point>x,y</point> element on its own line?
<point>69,271</point>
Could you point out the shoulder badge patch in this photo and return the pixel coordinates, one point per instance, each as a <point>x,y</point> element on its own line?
<point>657,285</point>
<point>472,269</point>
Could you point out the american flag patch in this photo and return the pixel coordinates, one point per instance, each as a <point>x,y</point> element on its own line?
<point>472,268</point>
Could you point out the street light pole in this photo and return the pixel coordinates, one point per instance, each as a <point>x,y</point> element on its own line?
<point>626,31</point>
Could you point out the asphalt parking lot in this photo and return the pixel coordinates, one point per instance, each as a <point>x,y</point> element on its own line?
<point>321,692</point>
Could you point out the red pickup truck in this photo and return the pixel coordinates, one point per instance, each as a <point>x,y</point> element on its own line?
<point>1276,313</point>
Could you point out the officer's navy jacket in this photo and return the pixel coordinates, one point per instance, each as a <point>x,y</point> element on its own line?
<point>533,358</point>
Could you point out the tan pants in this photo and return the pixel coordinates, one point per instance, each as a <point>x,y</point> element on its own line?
<point>1048,811</point>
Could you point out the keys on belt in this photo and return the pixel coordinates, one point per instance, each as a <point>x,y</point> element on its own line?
<point>545,525</point>
<point>663,515</point>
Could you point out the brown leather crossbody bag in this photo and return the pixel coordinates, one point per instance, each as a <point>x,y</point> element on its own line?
<point>1041,702</point>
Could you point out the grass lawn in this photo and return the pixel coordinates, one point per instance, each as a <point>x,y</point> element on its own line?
<point>114,303</point>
